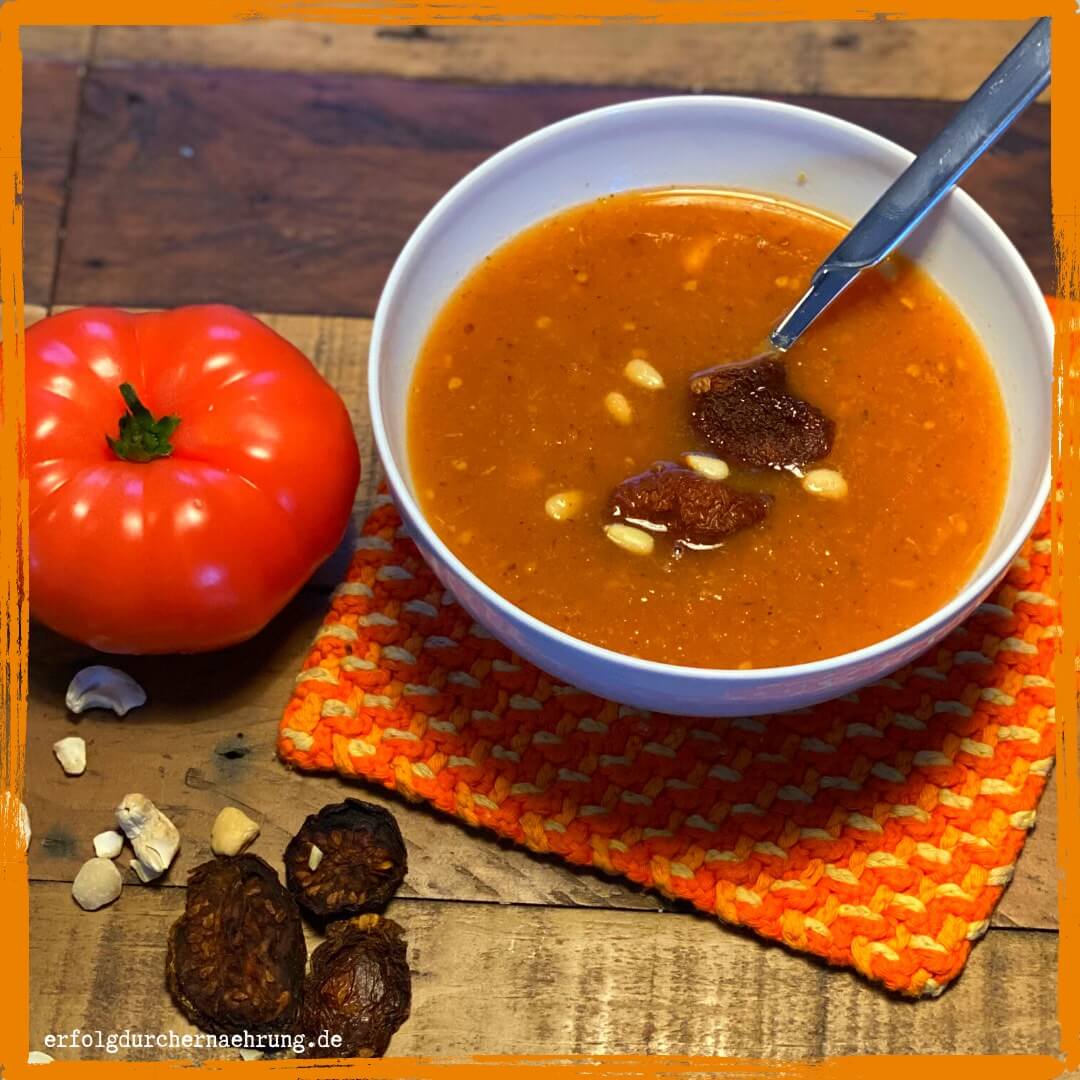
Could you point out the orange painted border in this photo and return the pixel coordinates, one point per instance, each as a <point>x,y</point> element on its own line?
<point>14,612</point>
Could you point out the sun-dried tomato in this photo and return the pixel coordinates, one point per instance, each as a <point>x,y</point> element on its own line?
<point>692,509</point>
<point>747,414</point>
<point>359,988</point>
<point>236,956</point>
<point>346,859</point>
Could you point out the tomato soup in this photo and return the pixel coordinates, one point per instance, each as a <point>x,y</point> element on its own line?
<point>564,364</point>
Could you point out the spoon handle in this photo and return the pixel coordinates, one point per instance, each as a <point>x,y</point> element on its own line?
<point>1011,87</point>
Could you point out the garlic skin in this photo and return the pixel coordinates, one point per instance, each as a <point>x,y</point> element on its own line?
<point>97,883</point>
<point>108,844</point>
<point>153,836</point>
<point>101,687</point>
<point>233,831</point>
<point>71,753</point>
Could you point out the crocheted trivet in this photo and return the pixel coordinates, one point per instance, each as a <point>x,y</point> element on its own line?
<point>878,830</point>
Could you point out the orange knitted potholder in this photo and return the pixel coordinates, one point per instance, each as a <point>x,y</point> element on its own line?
<point>878,830</point>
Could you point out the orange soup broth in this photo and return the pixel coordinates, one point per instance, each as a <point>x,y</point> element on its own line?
<point>507,408</point>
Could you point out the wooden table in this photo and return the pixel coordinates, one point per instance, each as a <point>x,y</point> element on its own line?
<point>280,167</point>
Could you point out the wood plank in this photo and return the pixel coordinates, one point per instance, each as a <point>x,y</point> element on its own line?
<point>646,983</point>
<point>917,59</point>
<point>243,691</point>
<point>276,192</point>
<point>50,105</point>
<point>56,42</point>
<point>288,193</point>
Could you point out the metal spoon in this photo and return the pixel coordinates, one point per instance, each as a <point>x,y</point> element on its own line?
<point>1011,87</point>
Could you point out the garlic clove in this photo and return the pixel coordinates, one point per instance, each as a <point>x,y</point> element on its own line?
<point>142,872</point>
<point>101,687</point>
<point>71,753</point>
<point>97,883</point>
<point>108,844</point>
<point>38,1057</point>
<point>154,838</point>
<point>233,831</point>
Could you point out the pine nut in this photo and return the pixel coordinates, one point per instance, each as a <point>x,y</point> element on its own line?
<point>642,373</point>
<point>827,483</point>
<point>712,467</point>
<point>636,541</point>
<point>697,255</point>
<point>564,505</point>
<point>619,408</point>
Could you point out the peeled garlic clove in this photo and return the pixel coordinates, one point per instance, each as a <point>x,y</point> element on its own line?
<point>101,687</point>
<point>233,831</point>
<point>38,1057</point>
<point>108,844</point>
<point>97,883</point>
<point>154,838</point>
<point>71,753</point>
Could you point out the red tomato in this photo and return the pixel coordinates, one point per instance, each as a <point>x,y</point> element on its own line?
<point>187,521</point>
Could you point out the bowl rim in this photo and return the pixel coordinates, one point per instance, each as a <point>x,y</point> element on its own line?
<point>969,595</point>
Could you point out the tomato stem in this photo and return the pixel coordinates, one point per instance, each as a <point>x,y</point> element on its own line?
<point>141,437</point>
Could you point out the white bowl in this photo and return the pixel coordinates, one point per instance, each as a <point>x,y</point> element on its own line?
<point>734,143</point>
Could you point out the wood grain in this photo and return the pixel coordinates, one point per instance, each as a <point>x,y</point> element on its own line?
<point>50,104</point>
<point>918,59</point>
<point>56,42</point>
<point>227,707</point>
<point>516,980</point>
<point>290,193</point>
